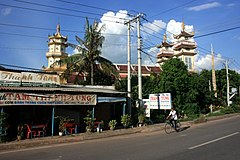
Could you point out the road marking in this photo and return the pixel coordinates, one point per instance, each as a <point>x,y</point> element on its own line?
<point>215,140</point>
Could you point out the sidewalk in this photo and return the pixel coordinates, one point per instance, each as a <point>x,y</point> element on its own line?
<point>43,141</point>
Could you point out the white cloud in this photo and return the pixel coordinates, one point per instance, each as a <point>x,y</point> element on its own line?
<point>231,4</point>
<point>156,26</point>
<point>6,11</point>
<point>205,6</point>
<point>174,28</point>
<point>115,44</point>
<point>202,62</point>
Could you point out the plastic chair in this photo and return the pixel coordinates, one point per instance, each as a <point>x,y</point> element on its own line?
<point>30,132</point>
<point>70,127</point>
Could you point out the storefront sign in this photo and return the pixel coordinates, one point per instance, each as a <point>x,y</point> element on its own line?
<point>28,77</point>
<point>51,99</point>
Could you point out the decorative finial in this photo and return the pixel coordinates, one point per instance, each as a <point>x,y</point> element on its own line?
<point>58,28</point>
<point>183,26</point>
<point>164,38</point>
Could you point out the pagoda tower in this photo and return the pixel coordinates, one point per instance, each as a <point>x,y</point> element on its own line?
<point>166,51</point>
<point>56,52</point>
<point>184,47</point>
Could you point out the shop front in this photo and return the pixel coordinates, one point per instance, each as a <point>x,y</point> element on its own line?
<point>36,100</point>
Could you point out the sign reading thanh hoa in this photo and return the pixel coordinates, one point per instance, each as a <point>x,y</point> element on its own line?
<point>50,99</point>
<point>29,77</point>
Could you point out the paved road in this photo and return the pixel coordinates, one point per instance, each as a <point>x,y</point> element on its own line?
<point>215,140</point>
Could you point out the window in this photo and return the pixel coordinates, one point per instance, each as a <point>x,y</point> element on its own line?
<point>188,62</point>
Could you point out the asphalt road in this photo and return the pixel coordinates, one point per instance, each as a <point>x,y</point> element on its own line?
<point>215,140</point>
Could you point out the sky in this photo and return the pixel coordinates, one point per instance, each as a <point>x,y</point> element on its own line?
<point>25,26</point>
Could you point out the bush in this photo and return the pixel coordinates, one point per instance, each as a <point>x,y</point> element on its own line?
<point>230,109</point>
<point>126,120</point>
<point>112,124</point>
<point>191,110</point>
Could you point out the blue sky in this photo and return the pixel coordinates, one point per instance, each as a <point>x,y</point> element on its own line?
<point>25,26</point>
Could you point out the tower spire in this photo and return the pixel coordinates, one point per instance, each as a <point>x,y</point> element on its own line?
<point>164,38</point>
<point>58,28</point>
<point>183,26</point>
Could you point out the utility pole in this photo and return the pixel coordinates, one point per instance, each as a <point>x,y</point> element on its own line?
<point>129,68</point>
<point>139,63</point>
<point>213,74</point>
<point>135,19</point>
<point>228,99</point>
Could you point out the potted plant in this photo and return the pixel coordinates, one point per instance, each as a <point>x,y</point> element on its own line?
<point>62,124</point>
<point>88,120</point>
<point>126,120</point>
<point>112,124</point>
<point>3,126</point>
<point>20,132</point>
<point>141,118</point>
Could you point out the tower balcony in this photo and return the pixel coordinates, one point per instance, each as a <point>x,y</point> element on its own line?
<point>185,44</point>
<point>56,54</point>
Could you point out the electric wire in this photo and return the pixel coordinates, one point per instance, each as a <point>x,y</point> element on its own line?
<point>171,9</point>
<point>66,9</point>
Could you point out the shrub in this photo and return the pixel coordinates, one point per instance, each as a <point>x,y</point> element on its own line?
<point>112,124</point>
<point>126,120</point>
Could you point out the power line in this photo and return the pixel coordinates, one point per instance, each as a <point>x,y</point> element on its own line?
<point>58,13</point>
<point>80,4</point>
<point>225,30</point>
<point>14,66</point>
<point>21,48</point>
<point>48,29</point>
<point>168,10</point>
<point>66,9</point>
<point>24,35</point>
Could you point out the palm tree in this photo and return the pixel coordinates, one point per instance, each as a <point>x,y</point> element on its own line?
<point>89,53</point>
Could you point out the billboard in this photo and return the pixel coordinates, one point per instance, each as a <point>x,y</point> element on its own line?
<point>160,101</point>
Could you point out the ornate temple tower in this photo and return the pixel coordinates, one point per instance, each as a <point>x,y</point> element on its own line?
<point>183,47</point>
<point>56,52</point>
<point>166,51</point>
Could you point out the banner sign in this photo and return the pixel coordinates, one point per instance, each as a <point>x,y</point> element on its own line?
<point>28,77</point>
<point>154,101</point>
<point>165,100</point>
<point>146,107</point>
<point>160,101</point>
<point>51,99</point>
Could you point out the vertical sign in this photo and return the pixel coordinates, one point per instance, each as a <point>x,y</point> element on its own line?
<point>165,100</point>
<point>146,107</point>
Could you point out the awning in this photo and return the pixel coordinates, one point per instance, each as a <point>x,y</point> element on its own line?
<point>111,99</point>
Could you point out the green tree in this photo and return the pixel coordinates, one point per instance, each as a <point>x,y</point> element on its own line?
<point>174,79</point>
<point>89,55</point>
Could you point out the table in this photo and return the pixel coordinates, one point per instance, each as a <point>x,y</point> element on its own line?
<point>40,129</point>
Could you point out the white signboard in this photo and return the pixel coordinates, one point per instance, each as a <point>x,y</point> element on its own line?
<point>146,107</point>
<point>160,101</point>
<point>154,101</point>
<point>165,100</point>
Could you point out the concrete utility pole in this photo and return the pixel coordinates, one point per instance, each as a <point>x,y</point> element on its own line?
<point>135,19</point>
<point>139,64</point>
<point>129,68</point>
<point>213,74</point>
<point>228,99</point>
